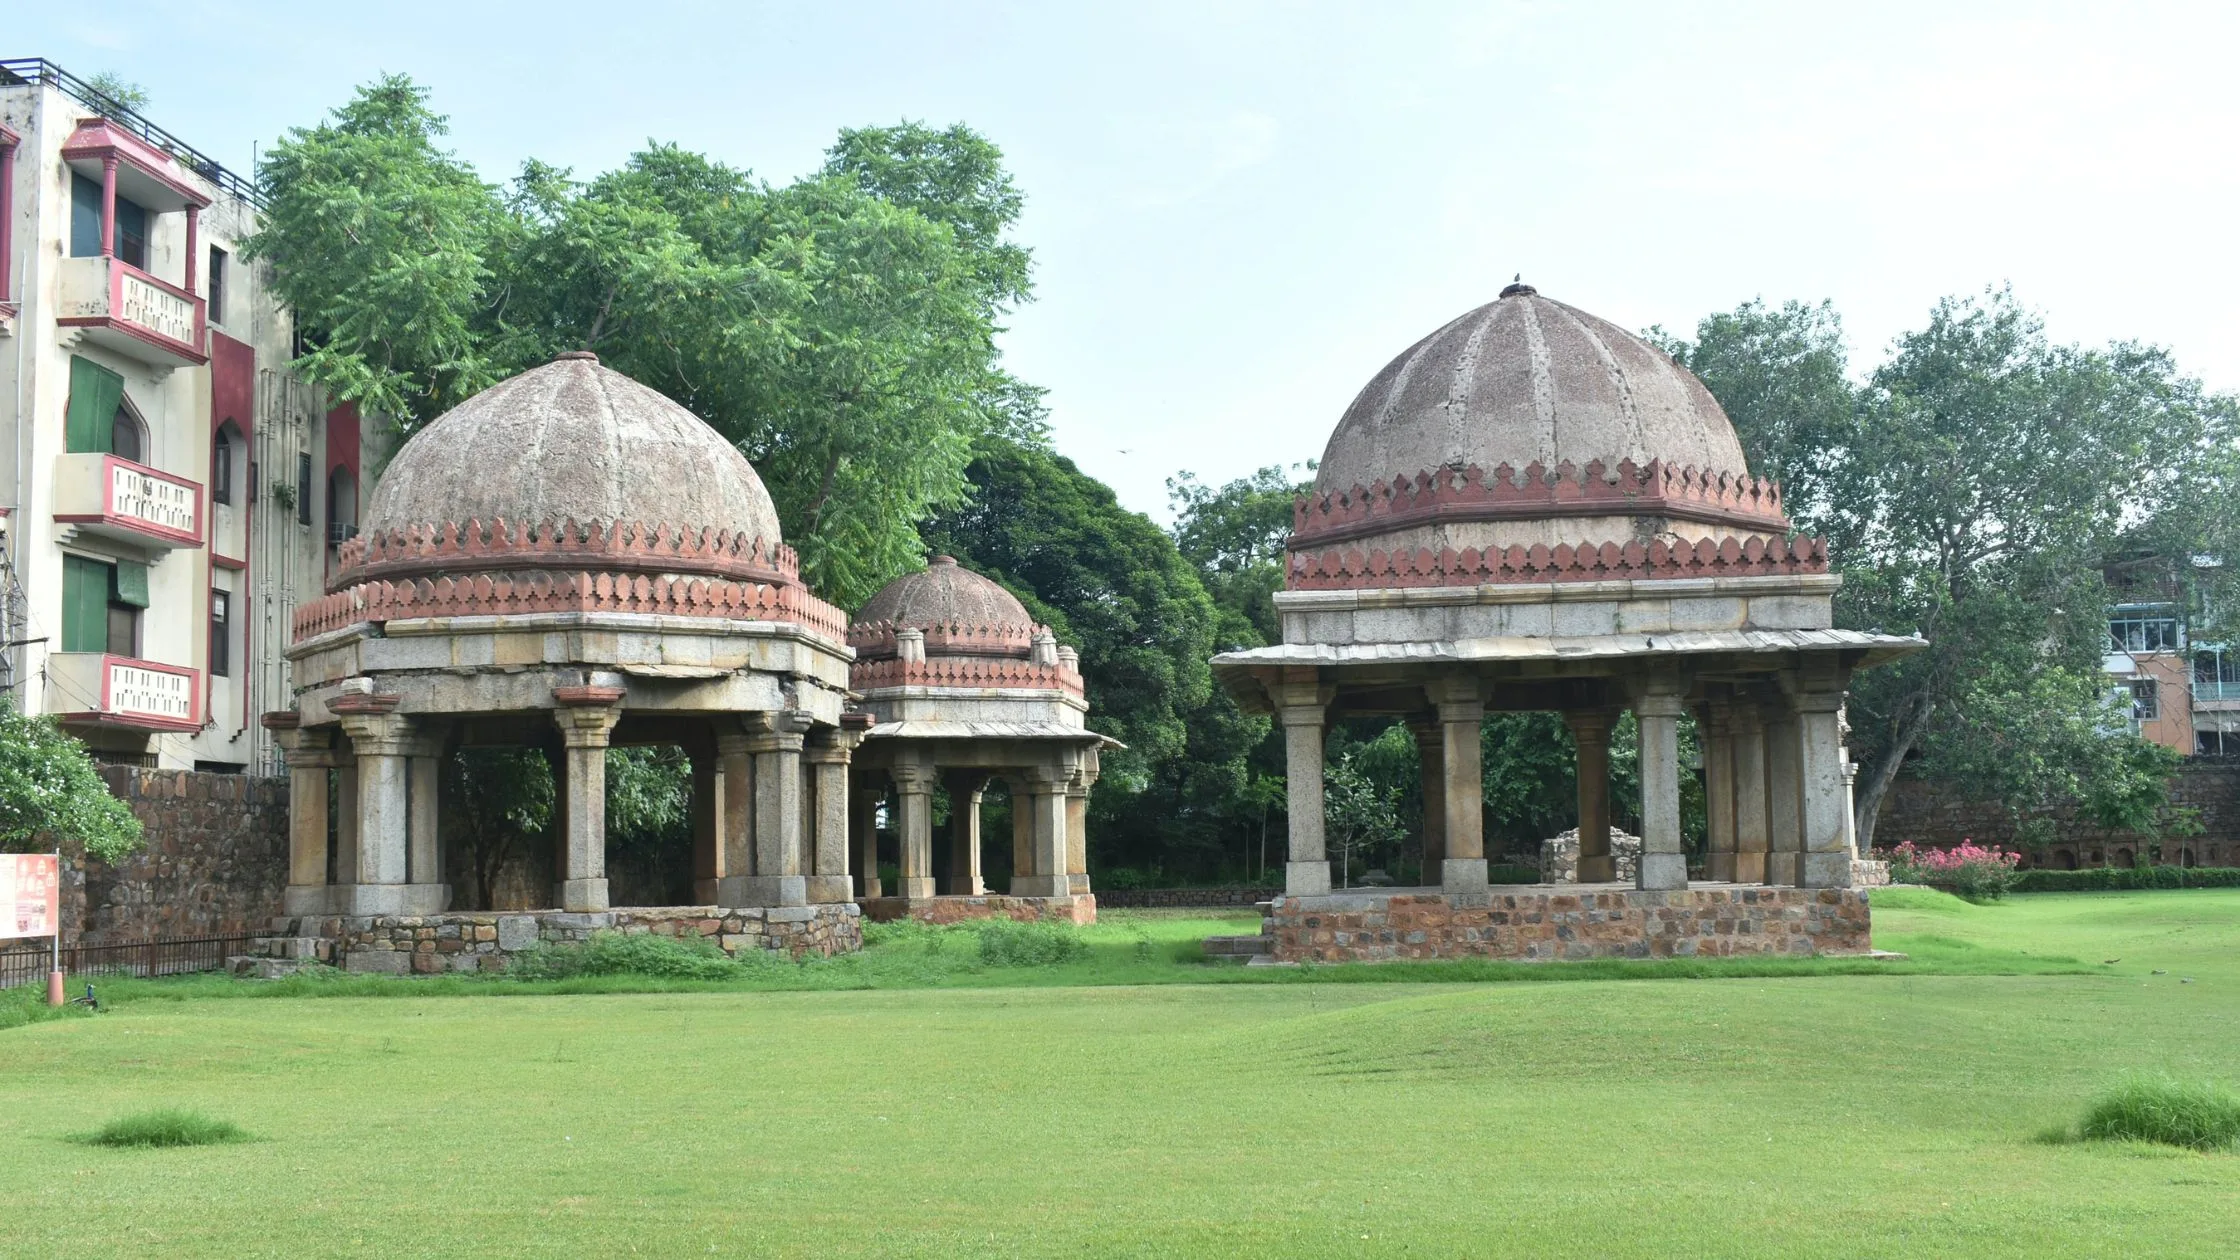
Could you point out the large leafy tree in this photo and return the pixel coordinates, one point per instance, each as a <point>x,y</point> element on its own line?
<point>840,329</point>
<point>1971,490</point>
<point>49,787</point>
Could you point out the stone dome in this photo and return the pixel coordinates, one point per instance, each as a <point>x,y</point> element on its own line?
<point>573,439</point>
<point>959,610</point>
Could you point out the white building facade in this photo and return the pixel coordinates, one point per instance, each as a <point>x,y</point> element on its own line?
<point>170,489</point>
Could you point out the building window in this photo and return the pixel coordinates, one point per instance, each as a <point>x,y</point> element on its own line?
<point>221,634</point>
<point>223,451</point>
<point>2143,628</point>
<point>342,506</point>
<point>101,605</point>
<point>217,285</point>
<point>128,439</point>
<point>303,488</point>
<point>2145,705</point>
<point>85,224</point>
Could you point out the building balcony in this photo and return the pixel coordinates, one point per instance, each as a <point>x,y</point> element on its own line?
<point>132,312</point>
<point>2216,695</point>
<point>114,498</point>
<point>97,689</point>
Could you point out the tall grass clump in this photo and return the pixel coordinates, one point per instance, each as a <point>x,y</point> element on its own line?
<point>168,1127</point>
<point>688,957</point>
<point>1008,943</point>
<point>2197,1115</point>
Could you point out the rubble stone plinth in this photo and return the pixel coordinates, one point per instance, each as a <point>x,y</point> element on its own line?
<point>1538,925</point>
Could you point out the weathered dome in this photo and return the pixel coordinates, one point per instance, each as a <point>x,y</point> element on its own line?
<point>945,593</point>
<point>1524,380</point>
<point>573,439</point>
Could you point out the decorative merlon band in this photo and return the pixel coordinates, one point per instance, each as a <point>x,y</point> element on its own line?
<point>876,638</point>
<point>963,673</point>
<point>485,596</point>
<point>1330,570</point>
<point>498,545</point>
<point>1472,494</point>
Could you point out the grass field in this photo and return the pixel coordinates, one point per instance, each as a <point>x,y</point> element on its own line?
<point>1104,1108</point>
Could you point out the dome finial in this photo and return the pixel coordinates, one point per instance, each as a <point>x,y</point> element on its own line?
<point>1518,288</point>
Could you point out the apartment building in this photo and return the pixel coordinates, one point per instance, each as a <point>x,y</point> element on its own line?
<point>2183,687</point>
<point>170,491</point>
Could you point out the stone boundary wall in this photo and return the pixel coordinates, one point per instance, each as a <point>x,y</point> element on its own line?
<point>1079,910</point>
<point>1183,898</point>
<point>428,944</point>
<point>1547,926</point>
<point>212,863</point>
<point>1937,816</point>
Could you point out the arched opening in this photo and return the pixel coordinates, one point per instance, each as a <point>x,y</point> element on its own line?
<point>225,457</point>
<point>128,436</point>
<point>2125,857</point>
<point>2066,859</point>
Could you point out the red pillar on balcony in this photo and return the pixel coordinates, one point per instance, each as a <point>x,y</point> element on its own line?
<point>109,206</point>
<point>194,213</point>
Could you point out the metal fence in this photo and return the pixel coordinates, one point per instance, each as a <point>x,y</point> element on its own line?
<point>22,70</point>
<point>169,956</point>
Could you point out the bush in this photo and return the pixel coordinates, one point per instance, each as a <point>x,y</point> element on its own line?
<point>1008,943</point>
<point>688,957</point>
<point>1972,871</point>
<point>2201,1117</point>
<point>2125,878</point>
<point>1512,874</point>
<point>165,1128</point>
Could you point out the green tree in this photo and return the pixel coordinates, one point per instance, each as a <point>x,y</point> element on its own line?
<point>1235,536</point>
<point>1361,810</point>
<point>122,93</point>
<point>49,787</point>
<point>496,800</point>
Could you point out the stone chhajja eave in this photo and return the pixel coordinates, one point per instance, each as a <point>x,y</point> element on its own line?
<point>1657,560</point>
<point>964,674</point>
<point>502,595</point>
<point>1447,495</point>
<point>876,639</point>
<point>474,547</point>
<point>920,729</point>
<point>1875,648</point>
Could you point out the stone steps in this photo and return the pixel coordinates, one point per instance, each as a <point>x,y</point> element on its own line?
<point>1237,949</point>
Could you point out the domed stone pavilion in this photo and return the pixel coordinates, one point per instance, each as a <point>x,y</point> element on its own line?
<point>1533,509</point>
<point>960,686</point>
<point>570,561</point>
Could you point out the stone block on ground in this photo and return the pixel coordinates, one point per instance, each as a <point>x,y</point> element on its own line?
<point>1559,856</point>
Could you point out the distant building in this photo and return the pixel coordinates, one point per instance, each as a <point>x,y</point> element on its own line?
<point>170,488</point>
<point>2184,690</point>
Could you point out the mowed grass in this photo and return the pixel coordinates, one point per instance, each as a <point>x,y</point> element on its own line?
<point>1751,1115</point>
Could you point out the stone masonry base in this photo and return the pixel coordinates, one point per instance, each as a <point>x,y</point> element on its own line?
<point>1080,909</point>
<point>1569,923</point>
<point>427,944</point>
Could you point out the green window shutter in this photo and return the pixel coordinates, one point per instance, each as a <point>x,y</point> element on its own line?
<point>132,583</point>
<point>95,392</point>
<point>85,604</point>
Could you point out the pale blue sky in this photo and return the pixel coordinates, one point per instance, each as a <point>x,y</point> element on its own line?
<point>1239,212</point>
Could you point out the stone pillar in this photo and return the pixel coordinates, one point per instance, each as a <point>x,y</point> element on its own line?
<point>1300,703</point>
<point>707,825</point>
<point>1431,743</point>
<point>1022,829</point>
<point>1590,731</point>
<point>1462,714</point>
<point>380,740</point>
<point>310,761</point>
<point>734,814</point>
<point>1824,861</point>
<point>828,755</point>
<point>1663,865</point>
<point>1717,727</point>
<point>863,820</point>
<point>343,869</point>
<point>1045,803</point>
<point>424,859</point>
<point>778,879</point>
<point>1748,745</point>
<point>1077,830</point>
<point>1784,825</point>
<point>586,717</point>
<point>913,782</point>
<point>965,788</point>
<point>1850,806</point>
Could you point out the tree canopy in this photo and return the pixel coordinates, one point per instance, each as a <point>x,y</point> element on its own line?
<point>49,787</point>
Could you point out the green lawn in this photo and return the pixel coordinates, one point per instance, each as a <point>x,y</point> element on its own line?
<point>1002,1112</point>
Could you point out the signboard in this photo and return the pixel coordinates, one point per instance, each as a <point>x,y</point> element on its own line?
<point>138,691</point>
<point>30,894</point>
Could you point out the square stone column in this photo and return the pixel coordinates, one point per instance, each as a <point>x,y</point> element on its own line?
<point>345,865</point>
<point>1300,704</point>
<point>1077,829</point>
<point>965,788</point>
<point>1825,860</point>
<point>1045,803</point>
<point>586,716</point>
<point>734,812</point>
<point>1022,828</point>
<point>1663,864</point>
<point>1784,796</point>
<point>707,825</point>
<point>310,761</point>
<point>827,755</point>
<point>1462,713</point>
<point>1748,749</point>
<point>778,878</point>
<point>913,783</point>
<point>1590,731</point>
<point>1717,727</point>
<point>1431,756</point>
<point>382,744</point>
<point>863,821</point>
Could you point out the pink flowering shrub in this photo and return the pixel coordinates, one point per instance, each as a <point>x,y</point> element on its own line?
<point>1971,870</point>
